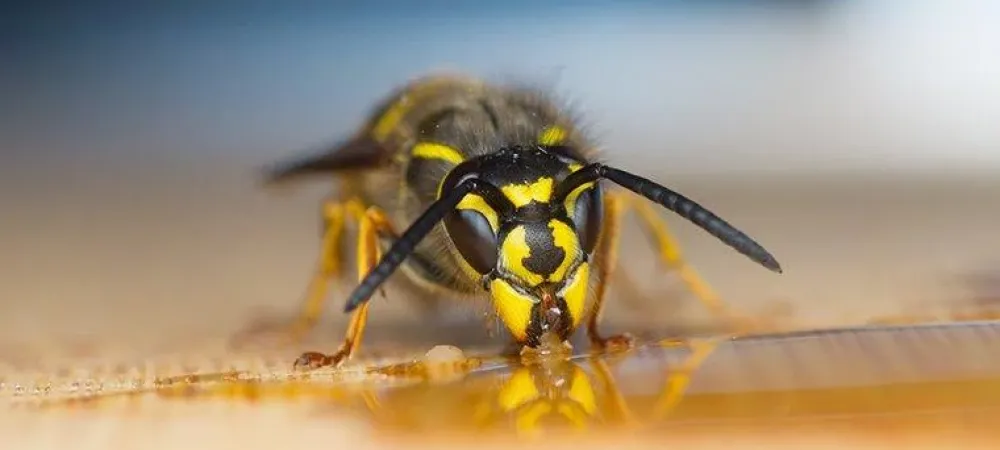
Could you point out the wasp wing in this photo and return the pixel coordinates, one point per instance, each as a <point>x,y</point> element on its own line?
<point>358,153</point>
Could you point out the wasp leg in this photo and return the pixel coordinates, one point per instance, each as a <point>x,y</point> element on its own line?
<point>329,266</point>
<point>680,378</point>
<point>374,223</point>
<point>335,215</point>
<point>605,259</point>
<point>670,254</point>
<point>618,407</point>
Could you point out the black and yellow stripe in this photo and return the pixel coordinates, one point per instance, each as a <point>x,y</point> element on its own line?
<point>495,191</point>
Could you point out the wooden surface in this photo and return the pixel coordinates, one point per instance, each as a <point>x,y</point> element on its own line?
<point>148,272</point>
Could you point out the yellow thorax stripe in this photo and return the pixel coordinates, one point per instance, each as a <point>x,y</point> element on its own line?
<point>395,113</point>
<point>430,150</point>
<point>553,135</point>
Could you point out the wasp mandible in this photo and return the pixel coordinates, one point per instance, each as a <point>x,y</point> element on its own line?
<point>493,192</point>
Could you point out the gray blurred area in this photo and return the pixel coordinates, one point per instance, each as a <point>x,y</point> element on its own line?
<point>856,140</point>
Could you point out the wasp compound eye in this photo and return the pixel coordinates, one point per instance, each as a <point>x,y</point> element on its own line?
<point>474,238</point>
<point>586,211</point>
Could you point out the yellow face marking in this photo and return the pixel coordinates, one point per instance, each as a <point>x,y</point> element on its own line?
<point>565,238</point>
<point>570,202</point>
<point>576,417</point>
<point>574,293</point>
<point>513,307</point>
<point>513,251</point>
<point>518,390</point>
<point>475,202</point>
<point>582,392</point>
<point>430,150</point>
<point>526,420</point>
<point>553,135</point>
<point>522,194</point>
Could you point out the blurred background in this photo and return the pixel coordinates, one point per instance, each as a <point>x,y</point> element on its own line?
<point>855,139</point>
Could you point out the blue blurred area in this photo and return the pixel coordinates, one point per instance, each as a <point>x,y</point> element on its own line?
<point>300,12</point>
<point>752,85</point>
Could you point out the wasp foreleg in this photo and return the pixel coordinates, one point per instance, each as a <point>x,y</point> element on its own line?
<point>329,266</point>
<point>679,379</point>
<point>335,214</point>
<point>374,224</point>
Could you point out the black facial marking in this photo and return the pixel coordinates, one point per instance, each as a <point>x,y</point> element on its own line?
<point>519,165</point>
<point>544,257</point>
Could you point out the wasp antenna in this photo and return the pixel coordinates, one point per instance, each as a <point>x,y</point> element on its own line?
<point>407,243</point>
<point>683,206</point>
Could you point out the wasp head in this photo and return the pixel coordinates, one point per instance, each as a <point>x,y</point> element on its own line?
<point>526,220</point>
<point>530,246</point>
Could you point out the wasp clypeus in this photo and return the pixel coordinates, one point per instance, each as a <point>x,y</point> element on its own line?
<point>490,191</point>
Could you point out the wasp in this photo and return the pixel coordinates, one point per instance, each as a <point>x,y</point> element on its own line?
<point>488,191</point>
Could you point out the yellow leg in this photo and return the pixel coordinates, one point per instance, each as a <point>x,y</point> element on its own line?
<point>670,254</point>
<point>680,378</point>
<point>335,215</point>
<point>617,406</point>
<point>374,224</point>
<point>605,259</point>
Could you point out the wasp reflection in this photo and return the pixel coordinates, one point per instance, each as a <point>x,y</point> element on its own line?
<point>560,393</point>
<point>531,398</point>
